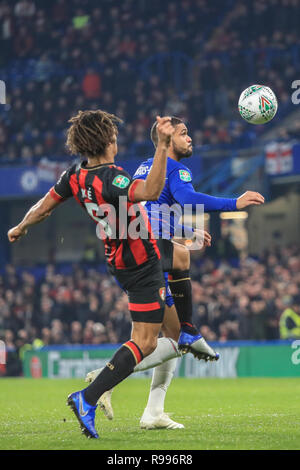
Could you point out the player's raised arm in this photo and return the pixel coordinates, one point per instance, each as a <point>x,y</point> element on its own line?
<point>36,214</point>
<point>150,189</point>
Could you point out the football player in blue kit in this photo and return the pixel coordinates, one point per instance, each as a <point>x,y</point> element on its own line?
<point>178,191</point>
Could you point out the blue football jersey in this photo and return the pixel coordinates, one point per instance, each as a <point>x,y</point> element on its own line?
<point>164,214</point>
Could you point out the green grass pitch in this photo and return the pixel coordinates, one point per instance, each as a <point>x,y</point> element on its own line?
<point>217,414</point>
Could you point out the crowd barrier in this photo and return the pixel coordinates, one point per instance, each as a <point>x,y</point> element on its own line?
<point>237,359</point>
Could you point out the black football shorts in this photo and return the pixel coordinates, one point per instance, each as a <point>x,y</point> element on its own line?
<point>145,287</point>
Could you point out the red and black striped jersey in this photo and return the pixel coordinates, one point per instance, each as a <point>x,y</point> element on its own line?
<point>105,192</point>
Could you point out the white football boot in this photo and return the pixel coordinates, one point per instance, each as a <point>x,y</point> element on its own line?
<point>161,421</point>
<point>104,401</point>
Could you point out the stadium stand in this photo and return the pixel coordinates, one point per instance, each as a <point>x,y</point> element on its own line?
<point>213,50</point>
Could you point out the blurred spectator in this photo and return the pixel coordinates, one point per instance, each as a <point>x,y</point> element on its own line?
<point>43,68</point>
<point>80,20</point>
<point>91,85</point>
<point>76,333</point>
<point>290,320</point>
<point>24,9</point>
<point>282,135</point>
<point>23,43</point>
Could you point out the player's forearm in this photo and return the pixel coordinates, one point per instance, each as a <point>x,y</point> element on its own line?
<point>211,203</point>
<point>34,216</point>
<point>39,212</point>
<point>155,180</point>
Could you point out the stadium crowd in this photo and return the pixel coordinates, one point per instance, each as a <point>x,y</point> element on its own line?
<point>190,58</point>
<point>87,307</point>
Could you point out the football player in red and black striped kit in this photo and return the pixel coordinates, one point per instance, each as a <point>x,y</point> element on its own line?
<point>135,261</point>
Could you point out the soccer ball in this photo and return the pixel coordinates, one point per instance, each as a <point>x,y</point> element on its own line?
<point>258,104</point>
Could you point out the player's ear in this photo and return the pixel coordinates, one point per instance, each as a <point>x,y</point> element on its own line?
<point>113,140</point>
<point>112,144</point>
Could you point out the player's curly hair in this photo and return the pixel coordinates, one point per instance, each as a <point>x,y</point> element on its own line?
<point>153,132</point>
<point>91,132</point>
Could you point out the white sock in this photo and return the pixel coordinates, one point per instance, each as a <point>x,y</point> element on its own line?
<point>161,379</point>
<point>166,349</point>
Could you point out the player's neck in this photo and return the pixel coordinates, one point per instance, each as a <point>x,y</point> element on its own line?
<point>173,156</point>
<point>100,160</point>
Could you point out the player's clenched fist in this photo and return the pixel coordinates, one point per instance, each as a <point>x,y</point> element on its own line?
<point>15,233</point>
<point>249,198</point>
<point>165,130</point>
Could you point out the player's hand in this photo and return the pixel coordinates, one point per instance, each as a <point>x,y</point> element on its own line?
<point>200,240</point>
<point>164,129</point>
<point>207,238</point>
<point>15,233</point>
<point>202,236</point>
<point>249,198</point>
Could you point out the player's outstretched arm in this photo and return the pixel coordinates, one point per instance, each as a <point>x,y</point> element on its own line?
<point>150,189</point>
<point>185,194</point>
<point>36,214</point>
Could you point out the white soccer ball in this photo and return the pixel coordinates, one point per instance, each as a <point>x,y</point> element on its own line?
<point>258,104</point>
